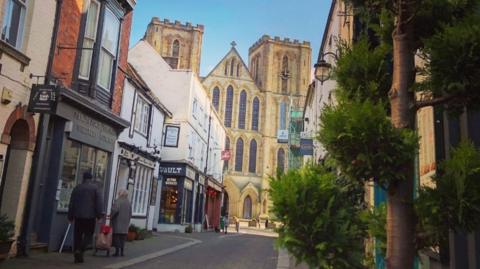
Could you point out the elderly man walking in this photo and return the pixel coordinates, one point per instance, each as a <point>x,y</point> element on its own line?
<point>86,205</point>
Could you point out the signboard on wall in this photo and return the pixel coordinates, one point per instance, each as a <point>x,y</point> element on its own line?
<point>282,136</point>
<point>171,136</point>
<point>43,99</point>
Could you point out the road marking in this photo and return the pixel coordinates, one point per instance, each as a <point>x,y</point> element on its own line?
<point>153,255</point>
<point>283,261</point>
<point>229,235</point>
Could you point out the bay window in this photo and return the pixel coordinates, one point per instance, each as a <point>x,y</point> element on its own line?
<point>13,22</point>
<point>108,50</point>
<point>89,38</point>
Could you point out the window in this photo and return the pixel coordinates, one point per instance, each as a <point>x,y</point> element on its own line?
<point>141,189</point>
<point>13,22</point>
<point>252,161</point>
<point>89,39</point>
<point>226,68</point>
<point>281,161</point>
<point>285,74</point>
<point>227,147</point>
<point>108,50</point>
<point>238,70</point>
<point>283,116</point>
<point>255,113</point>
<point>242,110</point>
<point>228,107</point>
<point>216,98</point>
<point>239,155</point>
<point>169,200</point>
<point>232,66</point>
<point>142,116</point>
<point>247,207</point>
<point>195,108</point>
<point>176,48</point>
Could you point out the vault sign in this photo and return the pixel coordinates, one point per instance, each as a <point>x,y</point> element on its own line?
<point>43,99</point>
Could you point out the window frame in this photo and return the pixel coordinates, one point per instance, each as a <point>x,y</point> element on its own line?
<point>216,98</point>
<point>229,107</point>
<point>142,106</point>
<point>7,22</point>
<point>239,154</point>
<point>97,19</point>
<point>255,114</point>
<point>252,157</point>
<point>242,110</point>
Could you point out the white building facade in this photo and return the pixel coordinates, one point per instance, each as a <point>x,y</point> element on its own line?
<point>193,128</point>
<point>136,158</point>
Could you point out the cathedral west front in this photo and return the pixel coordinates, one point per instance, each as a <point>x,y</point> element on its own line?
<point>253,99</point>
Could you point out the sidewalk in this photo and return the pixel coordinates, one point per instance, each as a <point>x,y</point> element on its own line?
<point>135,252</point>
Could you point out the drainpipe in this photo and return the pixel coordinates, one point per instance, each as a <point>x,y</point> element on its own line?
<point>206,166</point>
<point>40,148</point>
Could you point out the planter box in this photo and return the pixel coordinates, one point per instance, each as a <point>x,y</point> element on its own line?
<point>5,249</point>
<point>131,236</point>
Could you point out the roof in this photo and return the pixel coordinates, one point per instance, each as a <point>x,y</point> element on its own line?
<point>138,82</point>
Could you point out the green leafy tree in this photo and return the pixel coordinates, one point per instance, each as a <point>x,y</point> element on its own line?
<point>321,218</point>
<point>445,34</point>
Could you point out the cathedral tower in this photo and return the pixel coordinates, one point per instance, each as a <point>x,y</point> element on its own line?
<point>179,44</point>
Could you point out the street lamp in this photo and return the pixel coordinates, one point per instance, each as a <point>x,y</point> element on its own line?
<point>323,69</point>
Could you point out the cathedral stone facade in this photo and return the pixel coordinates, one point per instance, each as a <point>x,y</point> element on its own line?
<point>253,102</point>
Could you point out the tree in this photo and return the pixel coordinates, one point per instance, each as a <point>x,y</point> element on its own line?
<point>433,28</point>
<point>321,218</point>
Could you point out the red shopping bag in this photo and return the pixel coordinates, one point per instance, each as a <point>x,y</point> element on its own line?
<point>104,238</point>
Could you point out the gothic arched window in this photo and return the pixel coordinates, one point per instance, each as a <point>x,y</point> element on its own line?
<point>285,74</point>
<point>239,155</point>
<point>176,48</point>
<point>247,207</point>
<point>255,113</point>
<point>216,98</point>
<point>242,110</point>
<point>227,147</point>
<point>283,116</point>
<point>232,66</point>
<point>280,160</point>
<point>252,161</point>
<point>238,70</point>
<point>228,107</point>
<point>226,68</point>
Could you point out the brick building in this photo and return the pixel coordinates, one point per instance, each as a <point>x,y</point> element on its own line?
<point>88,58</point>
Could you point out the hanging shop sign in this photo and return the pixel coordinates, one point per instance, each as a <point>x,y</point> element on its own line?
<point>171,136</point>
<point>282,136</point>
<point>306,146</point>
<point>43,99</point>
<point>226,155</point>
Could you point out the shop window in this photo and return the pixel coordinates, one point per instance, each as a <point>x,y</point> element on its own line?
<point>108,50</point>
<point>141,189</point>
<point>78,159</point>
<point>13,22</point>
<point>142,116</point>
<point>169,201</point>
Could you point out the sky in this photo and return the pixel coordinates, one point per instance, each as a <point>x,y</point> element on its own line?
<point>242,21</point>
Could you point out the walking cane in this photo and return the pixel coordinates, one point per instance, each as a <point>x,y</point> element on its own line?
<point>64,238</point>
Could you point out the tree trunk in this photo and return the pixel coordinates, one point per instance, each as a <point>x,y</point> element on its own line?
<point>400,212</point>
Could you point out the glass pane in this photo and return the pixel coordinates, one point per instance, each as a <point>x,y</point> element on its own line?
<point>168,204</point>
<point>92,20</point>
<point>86,60</point>
<point>87,160</point>
<point>111,28</point>
<point>105,70</point>
<point>69,173</point>
<point>101,168</point>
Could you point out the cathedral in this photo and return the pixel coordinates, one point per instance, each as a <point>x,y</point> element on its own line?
<point>254,101</point>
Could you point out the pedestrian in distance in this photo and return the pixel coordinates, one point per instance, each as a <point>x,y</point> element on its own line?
<point>226,223</point>
<point>86,205</point>
<point>266,223</point>
<point>120,216</point>
<point>222,223</point>
<point>237,223</point>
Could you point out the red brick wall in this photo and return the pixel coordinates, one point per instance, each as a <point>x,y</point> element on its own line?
<point>122,63</point>
<point>68,32</point>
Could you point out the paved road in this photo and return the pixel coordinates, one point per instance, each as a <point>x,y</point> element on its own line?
<point>218,251</point>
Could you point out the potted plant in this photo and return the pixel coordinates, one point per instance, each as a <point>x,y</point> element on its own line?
<point>188,229</point>
<point>132,232</point>
<point>6,233</point>
<point>142,234</point>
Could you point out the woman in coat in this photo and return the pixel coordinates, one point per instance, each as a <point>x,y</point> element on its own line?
<point>120,216</point>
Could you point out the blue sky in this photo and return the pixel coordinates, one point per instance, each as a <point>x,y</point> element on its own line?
<point>244,21</point>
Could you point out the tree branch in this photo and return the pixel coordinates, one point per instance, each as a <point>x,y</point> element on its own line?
<point>434,101</point>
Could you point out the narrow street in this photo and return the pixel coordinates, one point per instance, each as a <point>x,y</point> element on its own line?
<point>220,251</point>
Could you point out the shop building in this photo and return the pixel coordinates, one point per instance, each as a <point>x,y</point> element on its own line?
<point>137,152</point>
<point>24,48</point>
<point>184,154</point>
<point>79,131</point>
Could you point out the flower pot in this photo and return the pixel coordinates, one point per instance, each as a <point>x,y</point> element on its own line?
<point>5,249</point>
<point>131,236</point>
